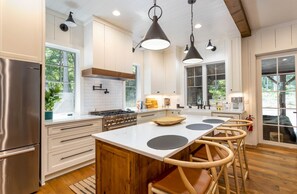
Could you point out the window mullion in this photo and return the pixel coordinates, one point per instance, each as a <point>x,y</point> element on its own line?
<point>204,83</point>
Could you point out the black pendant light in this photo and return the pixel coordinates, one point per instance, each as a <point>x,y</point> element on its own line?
<point>210,46</point>
<point>193,55</point>
<point>155,38</point>
<point>70,21</point>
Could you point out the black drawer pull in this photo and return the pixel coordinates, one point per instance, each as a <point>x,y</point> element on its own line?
<point>66,140</point>
<point>148,115</point>
<point>76,154</point>
<point>67,128</point>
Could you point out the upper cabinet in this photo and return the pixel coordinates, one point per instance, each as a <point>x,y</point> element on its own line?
<point>233,65</point>
<point>22,31</point>
<point>107,47</point>
<point>154,72</point>
<point>161,71</point>
<point>172,64</point>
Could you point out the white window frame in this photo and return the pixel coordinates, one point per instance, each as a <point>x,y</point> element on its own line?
<point>77,78</point>
<point>138,88</point>
<point>204,80</point>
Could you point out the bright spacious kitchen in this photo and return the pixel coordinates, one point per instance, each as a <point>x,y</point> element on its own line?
<point>148,96</point>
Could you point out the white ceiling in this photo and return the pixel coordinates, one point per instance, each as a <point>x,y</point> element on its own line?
<point>263,13</point>
<point>213,15</point>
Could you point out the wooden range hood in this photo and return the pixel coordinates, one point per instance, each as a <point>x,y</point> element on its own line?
<point>106,74</point>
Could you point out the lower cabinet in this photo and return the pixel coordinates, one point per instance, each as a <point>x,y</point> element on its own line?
<point>149,116</point>
<point>231,115</point>
<point>68,146</point>
<point>172,112</point>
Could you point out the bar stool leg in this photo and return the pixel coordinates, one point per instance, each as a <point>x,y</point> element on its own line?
<point>235,177</point>
<point>241,169</point>
<point>246,162</point>
<point>226,178</point>
<point>150,189</point>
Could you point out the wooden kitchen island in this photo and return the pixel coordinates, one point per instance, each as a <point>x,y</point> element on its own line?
<point>125,163</point>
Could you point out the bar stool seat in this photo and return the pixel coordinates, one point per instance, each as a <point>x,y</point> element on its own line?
<point>188,177</point>
<point>172,182</point>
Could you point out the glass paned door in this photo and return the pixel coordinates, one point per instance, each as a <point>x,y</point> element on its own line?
<point>279,99</point>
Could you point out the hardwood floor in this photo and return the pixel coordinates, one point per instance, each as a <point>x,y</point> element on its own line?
<point>273,170</point>
<point>60,185</point>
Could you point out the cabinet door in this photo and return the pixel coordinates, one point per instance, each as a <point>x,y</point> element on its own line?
<point>170,72</point>
<point>157,74</point>
<point>22,30</point>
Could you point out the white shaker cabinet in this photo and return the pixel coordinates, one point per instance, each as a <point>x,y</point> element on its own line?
<point>68,146</point>
<point>22,30</point>
<point>172,59</point>
<point>154,73</point>
<point>234,72</point>
<point>107,47</point>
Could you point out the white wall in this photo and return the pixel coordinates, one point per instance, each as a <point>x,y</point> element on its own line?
<point>280,38</point>
<point>228,51</point>
<point>97,100</point>
<point>86,99</point>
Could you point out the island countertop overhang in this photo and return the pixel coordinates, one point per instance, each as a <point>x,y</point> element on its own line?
<point>134,138</point>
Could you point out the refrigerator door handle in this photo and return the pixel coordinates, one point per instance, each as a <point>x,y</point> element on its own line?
<point>7,154</point>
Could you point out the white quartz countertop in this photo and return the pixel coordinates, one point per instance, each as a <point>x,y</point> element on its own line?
<point>75,118</point>
<point>135,138</point>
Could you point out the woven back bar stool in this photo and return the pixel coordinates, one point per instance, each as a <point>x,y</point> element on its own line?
<point>241,124</point>
<point>228,137</point>
<point>190,177</point>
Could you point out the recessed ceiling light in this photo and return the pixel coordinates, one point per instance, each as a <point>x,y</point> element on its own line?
<point>198,26</point>
<point>285,59</point>
<point>116,13</point>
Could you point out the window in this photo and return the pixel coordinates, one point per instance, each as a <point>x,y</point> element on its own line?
<point>60,68</point>
<point>216,83</point>
<point>131,90</point>
<point>205,83</point>
<point>194,86</point>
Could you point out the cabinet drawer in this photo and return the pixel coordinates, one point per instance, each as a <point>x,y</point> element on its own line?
<point>172,112</point>
<point>232,116</point>
<point>77,127</point>
<point>58,143</point>
<point>62,160</point>
<point>147,117</point>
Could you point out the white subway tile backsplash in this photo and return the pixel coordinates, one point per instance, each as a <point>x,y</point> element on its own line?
<point>97,100</point>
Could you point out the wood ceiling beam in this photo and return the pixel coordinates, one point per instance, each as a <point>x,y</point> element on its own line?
<point>237,12</point>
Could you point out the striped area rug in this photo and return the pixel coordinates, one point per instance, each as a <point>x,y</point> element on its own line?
<point>86,186</point>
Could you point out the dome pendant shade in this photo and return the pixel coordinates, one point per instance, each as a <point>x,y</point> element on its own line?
<point>70,21</point>
<point>155,38</point>
<point>192,56</point>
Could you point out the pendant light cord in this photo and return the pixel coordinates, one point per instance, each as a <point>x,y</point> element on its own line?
<point>192,18</point>
<point>155,3</point>
<point>192,40</point>
<point>155,6</point>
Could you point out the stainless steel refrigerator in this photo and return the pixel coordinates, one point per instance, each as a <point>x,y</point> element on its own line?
<point>20,113</point>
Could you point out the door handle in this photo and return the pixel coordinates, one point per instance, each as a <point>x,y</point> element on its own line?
<point>295,112</point>
<point>16,152</point>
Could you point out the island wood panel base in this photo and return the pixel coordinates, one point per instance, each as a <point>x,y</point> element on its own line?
<point>121,171</point>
